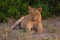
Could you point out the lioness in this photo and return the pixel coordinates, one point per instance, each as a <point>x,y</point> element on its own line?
<point>31,21</point>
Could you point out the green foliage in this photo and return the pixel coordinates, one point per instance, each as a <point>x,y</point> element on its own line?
<point>17,8</point>
<point>2,16</point>
<point>12,8</point>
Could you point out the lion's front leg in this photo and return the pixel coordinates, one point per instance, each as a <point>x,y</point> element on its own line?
<point>28,27</point>
<point>40,28</point>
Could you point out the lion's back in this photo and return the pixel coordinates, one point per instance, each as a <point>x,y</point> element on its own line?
<point>25,21</point>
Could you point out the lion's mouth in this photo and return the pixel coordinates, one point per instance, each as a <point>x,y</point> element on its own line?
<point>33,19</point>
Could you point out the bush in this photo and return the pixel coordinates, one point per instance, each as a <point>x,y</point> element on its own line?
<point>17,8</point>
<point>12,9</point>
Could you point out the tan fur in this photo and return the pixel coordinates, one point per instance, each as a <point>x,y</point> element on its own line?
<point>33,20</point>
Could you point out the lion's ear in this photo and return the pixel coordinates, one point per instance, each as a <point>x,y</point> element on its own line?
<point>29,7</point>
<point>39,9</point>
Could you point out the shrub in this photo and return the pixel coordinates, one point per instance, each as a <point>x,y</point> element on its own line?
<point>17,8</point>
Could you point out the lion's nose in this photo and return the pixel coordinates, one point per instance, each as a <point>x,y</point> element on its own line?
<point>32,18</point>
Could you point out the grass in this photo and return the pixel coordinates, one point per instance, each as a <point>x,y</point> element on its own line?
<point>21,35</point>
<point>50,29</point>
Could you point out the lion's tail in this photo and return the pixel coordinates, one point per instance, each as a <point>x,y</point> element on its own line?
<point>17,22</point>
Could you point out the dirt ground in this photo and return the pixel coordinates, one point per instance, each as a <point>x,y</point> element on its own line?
<point>51,31</point>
